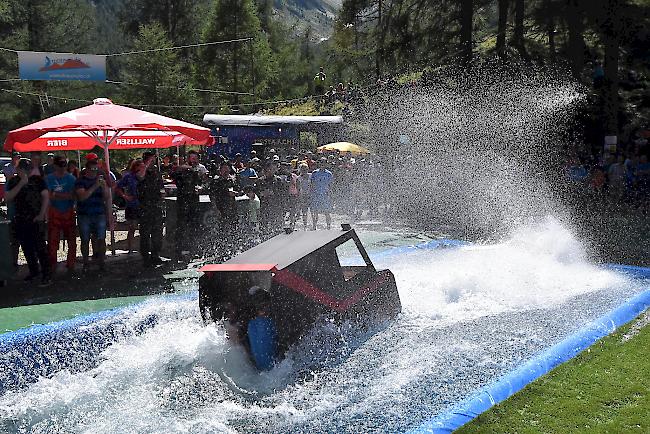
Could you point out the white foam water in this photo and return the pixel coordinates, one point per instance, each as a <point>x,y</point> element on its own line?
<point>469,315</point>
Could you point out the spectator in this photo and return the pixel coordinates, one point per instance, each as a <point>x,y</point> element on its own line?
<point>320,182</point>
<point>293,197</point>
<point>127,188</point>
<point>188,179</point>
<point>319,82</point>
<point>248,176</point>
<point>303,187</point>
<point>238,164</point>
<point>250,220</point>
<point>37,167</point>
<point>616,178</point>
<point>9,170</point>
<point>194,161</point>
<point>151,193</point>
<point>598,181</point>
<point>166,166</point>
<point>93,196</point>
<point>271,192</point>
<point>223,190</point>
<point>30,197</point>
<point>48,168</point>
<point>61,215</point>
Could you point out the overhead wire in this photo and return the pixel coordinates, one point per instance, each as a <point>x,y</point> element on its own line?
<point>152,50</point>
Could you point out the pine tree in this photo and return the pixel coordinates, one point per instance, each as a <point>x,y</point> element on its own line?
<point>157,77</point>
<point>237,66</point>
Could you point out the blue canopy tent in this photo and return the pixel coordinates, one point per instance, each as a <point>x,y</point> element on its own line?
<point>237,133</point>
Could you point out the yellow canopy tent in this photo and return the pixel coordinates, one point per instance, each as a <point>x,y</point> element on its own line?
<point>345,147</point>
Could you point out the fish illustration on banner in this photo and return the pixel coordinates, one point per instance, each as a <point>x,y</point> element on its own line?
<point>34,65</point>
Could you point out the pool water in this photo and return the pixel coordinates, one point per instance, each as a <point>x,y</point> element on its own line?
<point>470,314</point>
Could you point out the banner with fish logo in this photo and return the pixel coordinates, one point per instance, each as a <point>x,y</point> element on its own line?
<point>34,65</point>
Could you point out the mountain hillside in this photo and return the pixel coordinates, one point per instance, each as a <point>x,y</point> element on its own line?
<point>317,14</point>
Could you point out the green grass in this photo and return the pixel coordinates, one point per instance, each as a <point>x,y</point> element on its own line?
<point>15,318</point>
<point>605,389</point>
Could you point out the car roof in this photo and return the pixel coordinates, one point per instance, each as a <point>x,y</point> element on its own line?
<point>286,249</point>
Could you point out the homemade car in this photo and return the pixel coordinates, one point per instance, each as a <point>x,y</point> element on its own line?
<point>271,295</point>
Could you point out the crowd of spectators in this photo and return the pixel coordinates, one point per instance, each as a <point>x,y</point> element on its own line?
<point>254,197</point>
<point>621,178</point>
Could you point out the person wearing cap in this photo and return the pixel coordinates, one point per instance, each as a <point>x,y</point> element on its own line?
<point>320,182</point>
<point>61,214</point>
<point>92,212</point>
<point>48,168</point>
<point>151,191</point>
<point>30,197</point>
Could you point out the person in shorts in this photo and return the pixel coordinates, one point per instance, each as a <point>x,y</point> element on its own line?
<point>92,213</point>
<point>320,182</point>
<point>61,215</point>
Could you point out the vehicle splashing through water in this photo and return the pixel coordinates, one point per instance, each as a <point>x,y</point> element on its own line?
<point>476,158</point>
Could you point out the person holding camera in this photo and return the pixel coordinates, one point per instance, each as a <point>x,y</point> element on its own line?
<point>30,197</point>
<point>189,184</point>
<point>151,191</point>
<point>93,199</point>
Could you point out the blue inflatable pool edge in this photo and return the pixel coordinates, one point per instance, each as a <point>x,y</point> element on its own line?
<point>514,381</point>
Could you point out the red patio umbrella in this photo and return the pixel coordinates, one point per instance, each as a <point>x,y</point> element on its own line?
<point>108,125</point>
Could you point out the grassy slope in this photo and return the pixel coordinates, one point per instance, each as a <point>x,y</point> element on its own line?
<point>604,389</point>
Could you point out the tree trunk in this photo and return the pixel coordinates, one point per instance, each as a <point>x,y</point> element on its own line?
<point>576,42</point>
<point>380,44</point>
<point>518,34</point>
<point>610,95</point>
<point>466,17</point>
<point>550,29</point>
<point>501,30</point>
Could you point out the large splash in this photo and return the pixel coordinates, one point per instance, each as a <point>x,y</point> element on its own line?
<point>473,151</point>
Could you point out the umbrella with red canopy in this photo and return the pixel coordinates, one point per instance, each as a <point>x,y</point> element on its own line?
<point>108,125</point>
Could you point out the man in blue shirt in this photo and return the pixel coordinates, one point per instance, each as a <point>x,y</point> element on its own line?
<point>248,176</point>
<point>92,212</point>
<point>61,216</point>
<point>320,183</point>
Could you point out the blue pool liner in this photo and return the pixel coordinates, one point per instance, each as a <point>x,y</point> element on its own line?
<point>42,350</point>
